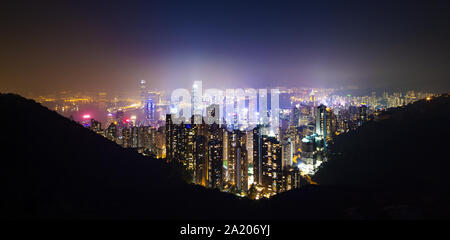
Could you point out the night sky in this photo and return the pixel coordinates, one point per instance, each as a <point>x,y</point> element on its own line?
<point>103,46</point>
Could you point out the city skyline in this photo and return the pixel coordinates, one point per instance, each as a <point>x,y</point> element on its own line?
<point>229,119</point>
<point>239,141</point>
<point>70,101</point>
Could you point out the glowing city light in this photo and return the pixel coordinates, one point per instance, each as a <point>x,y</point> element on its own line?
<point>86,116</point>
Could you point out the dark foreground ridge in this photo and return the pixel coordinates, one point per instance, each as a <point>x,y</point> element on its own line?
<point>53,168</point>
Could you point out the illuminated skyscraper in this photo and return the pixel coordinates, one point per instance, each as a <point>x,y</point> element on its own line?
<point>226,177</point>
<point>325,123</point>
<point>271,163</point>
<point>126,138</point>
<point>171,143</point>
<point>291,178</point>
<point>331,124</point>
<point>188,134</point>
<point>177,143</point>
<point>144,137</point>
<point>321,120</point>
<point>158,113</point>
<point>215,164</point>
<point>237,161</point>
<point>149,111</point>
<point>249,144</point>
<point>111,132</point>
<point>200,155</point>
<point>257,157</point>
<point>295,116</point>
<point>143,90</point>
<point>287,153</point>
<point>134,136</point>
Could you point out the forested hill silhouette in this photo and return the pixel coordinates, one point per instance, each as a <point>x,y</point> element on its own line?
<point>52,167</point>
<point>405,155</point>
<point>407,147</point>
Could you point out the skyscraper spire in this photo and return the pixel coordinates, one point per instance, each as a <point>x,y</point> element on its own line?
<point>143,88</point>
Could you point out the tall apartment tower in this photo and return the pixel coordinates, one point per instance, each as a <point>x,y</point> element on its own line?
<point>237,160</point>
<point>215,164</point>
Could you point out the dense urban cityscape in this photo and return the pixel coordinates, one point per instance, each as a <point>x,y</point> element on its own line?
<point>247,160</point>
<point>224,119</point>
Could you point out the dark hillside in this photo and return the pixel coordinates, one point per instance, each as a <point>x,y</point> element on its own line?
<point>408,148</point>
<point>52,167</point>
<point>400,160</point>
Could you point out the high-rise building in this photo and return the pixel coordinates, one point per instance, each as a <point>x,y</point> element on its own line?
<point>287,152</point>
<point>200,159</point>
<point>267,161</point>
<point>331,124</point>
<point>144,138</point>
<point>362,115</point>
<point>134,137</point>
<point>249,145</point>
<point>149,111</point>
<point>111,132</point>
<point>237,161</point>
<point>257,157</point>
<point>321,120</point>
<point>143,92</point>
<point>295,117</point>
<point>271,165</point>
<point>291,178</point>
<point>226,177</point>
<point>325,123</point>
<point>154,110</point>
<point>109,119</point>
<point>96,126</point>
<point>126,138</point>
<point>188,134</point>
<point>215,164</point>
<point>171,140</point>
